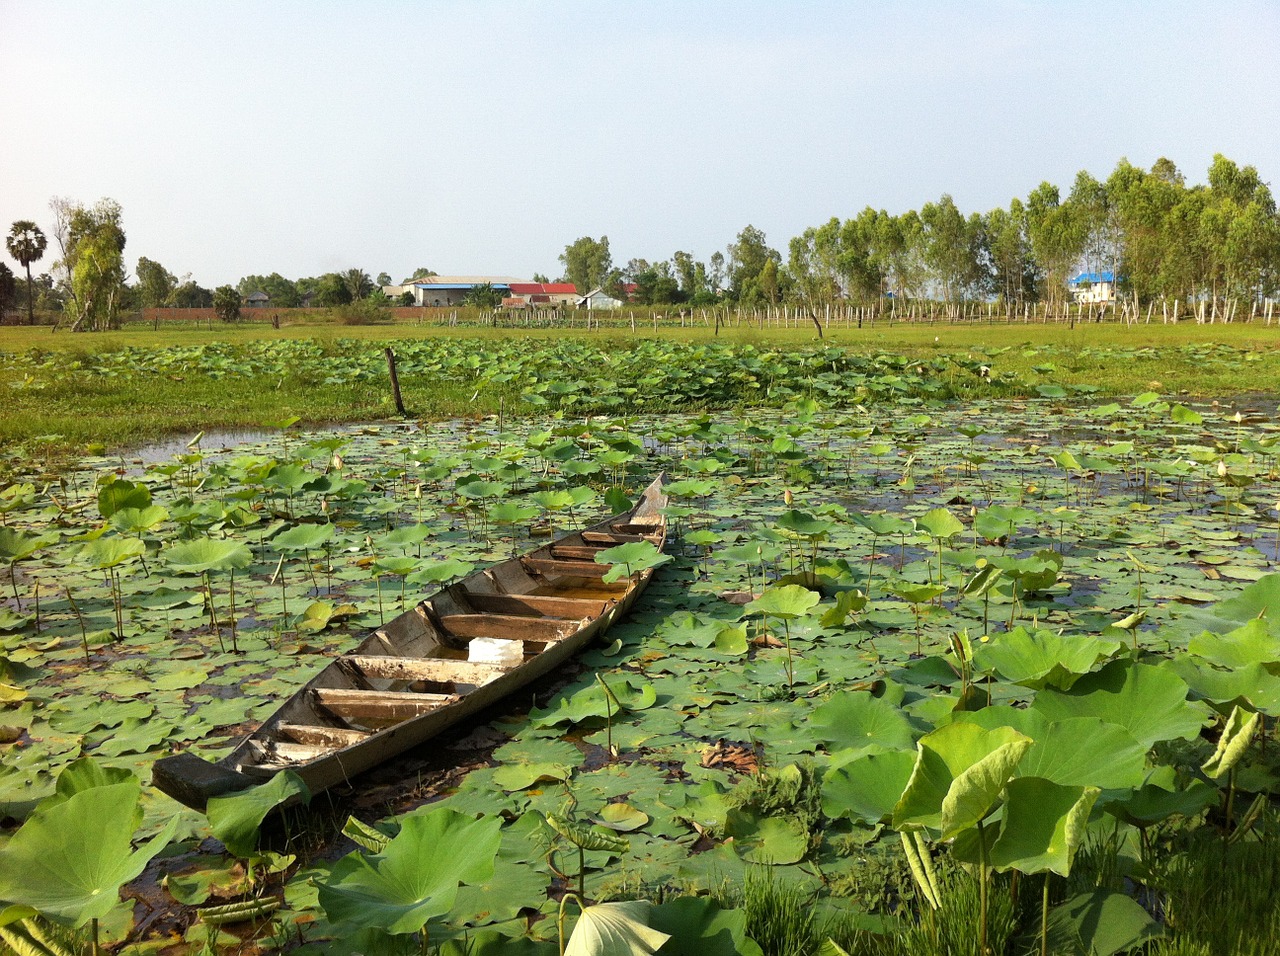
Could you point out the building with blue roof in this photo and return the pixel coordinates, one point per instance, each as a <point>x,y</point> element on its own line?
<point>1093,286</point>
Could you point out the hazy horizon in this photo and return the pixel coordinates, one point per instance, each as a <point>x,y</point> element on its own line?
<point>482,138</point>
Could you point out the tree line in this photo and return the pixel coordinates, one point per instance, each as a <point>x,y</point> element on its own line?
<point>1160,236</point>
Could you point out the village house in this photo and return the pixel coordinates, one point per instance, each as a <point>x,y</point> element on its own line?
<point>1093,287</point>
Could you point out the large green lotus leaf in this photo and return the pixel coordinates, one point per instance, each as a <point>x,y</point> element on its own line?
<point>959,773</point>
<point>304,537</point>
<point>133,736</point>
<point>939,523</point>
<point>16,545</point>
<point>1042,658</point>
<point>858,721</point>
<point>111,552</point>
<point>119,494</point>
<point>1148,701</point>
<point>868,788</point>
<point>1253,685</point>
<point>138,520</point>
<point>1252,643</point>
<point>234,818</point>
<point>415,879</point>
<point>592,702</point>
<point>71,857</point>
<point>776,841</point>
<point>521,776</point>
<point>1043,825</point>
<point>1158,799</point>
<point>804,525</point>
<point>206,554</point>
<point>1076,751</point>
<point>87,773</point>
<point>630,558</point>
<point>699,927</point>
<point>1259,601</point>
<point>1101,923</point>
<point>615,929</point>
<point>786,602</point>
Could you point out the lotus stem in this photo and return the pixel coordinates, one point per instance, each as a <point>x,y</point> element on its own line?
<point>564,900</point>
<point>1044,916</point>
<point>982,891</point>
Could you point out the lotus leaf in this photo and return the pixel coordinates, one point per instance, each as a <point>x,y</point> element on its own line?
<point>1043,658</point>
<point>1148,701</point>
<point>592,702</point>
<point>206,554</point>
<point>234,818</point>
<point>776,841</point>
<point>939,523</point>
<point>960,771</point>
<point>415,878</point>
<point>630,558</point>
<point>1100,923</point>
<point>1233,742</point>
<point>119,494</point>
<point>71,857</point>
<point>862,723</point>
<point>699,927</point>
<point>615,929</point>
<point>867,789</point>
<point>303,537</point>
<point>622,817</point>
<point>1044,824</point>
<point>786,602</point>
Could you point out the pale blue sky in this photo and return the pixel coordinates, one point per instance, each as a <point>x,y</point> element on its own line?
<point>481,137</point>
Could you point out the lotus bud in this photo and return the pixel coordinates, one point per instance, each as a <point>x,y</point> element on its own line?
<point>1222,469</point>
<point>787,497</point>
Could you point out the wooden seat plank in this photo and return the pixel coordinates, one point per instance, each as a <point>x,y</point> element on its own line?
<point>538,605</point>
<point>562,568</point>
<point>381,706</point>
<point>577,552</point>
<point>316,734</point>
<point>509,626</point>
<point>437,670</point>
<point>608,538</point>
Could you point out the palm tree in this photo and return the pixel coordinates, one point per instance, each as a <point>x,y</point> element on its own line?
<point>26,244</point>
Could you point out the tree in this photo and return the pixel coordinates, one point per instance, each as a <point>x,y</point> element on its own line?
<point>94,243</point>
<point>26,244</point>
<point>384,278</point>
<point>226,303</point>
<point>191,295</point>
<point>539,277</point>
<point>8,289</point>
<point>483,296</point>
<point>332,290</point>
<point>747,257</point>
<point>950,245</point>
<point>358,283</point>
<point>715,270</point>
<point>406,298</point>
<point>1058,235</point>
<point>858,260</point>
<point>422,272</point>
<point>155,283</point>
<point>1009,257</point>
<point>587,263</point>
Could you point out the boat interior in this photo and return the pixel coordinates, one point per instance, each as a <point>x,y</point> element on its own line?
<point>464,637</point>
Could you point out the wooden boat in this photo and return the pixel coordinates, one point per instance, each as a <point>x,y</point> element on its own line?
<point>456,652</point>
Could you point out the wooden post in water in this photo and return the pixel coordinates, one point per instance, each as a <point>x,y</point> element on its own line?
<point>395,383</point>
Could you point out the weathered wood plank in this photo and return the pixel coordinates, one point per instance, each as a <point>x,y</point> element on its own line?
<point>320,735</point>
<point>380,706</point>
<point>432,669</point>
<point>194,781</point>
<point>547,605</point>
<point>577,552</point>
<point>571,569</point>
<point>609,539</point>
<point>509,626</point>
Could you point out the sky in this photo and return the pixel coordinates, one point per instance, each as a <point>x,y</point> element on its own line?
<point>482,137</point>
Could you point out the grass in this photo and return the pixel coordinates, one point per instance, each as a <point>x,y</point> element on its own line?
<point>62,417</point>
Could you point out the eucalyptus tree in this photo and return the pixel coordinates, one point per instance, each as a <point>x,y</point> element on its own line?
<point>1013,267</point>
<point>92,240</point>
<point>860,260</point>
<point>1142,202</point>
<point>587,262</point>
<point>26,243</point>
<point>950,249</point>
<point>155,283</point>
<point>1058,235</point>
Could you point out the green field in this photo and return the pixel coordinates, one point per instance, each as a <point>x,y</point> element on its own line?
<point>971,636</point>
